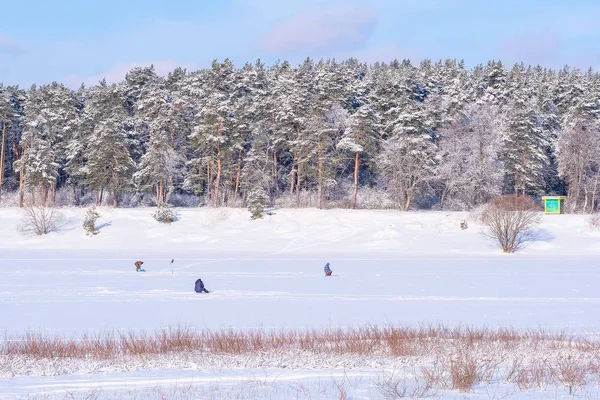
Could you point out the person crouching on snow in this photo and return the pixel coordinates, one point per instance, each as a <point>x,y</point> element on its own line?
<point>138,265</point>
<point>199,287</point>
<point>328,271</point>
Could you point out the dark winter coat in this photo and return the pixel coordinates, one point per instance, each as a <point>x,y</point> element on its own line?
<point>199,287</point>
<point>327,269</point>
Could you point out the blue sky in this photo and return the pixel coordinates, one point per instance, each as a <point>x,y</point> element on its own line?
<point>82,41</point>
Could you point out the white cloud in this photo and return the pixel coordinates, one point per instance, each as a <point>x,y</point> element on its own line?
<point>9,46</point>
<point>317,28</point>
<point>118,71</point>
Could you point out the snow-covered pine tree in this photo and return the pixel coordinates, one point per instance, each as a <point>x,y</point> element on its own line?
<point>256,176</point>
<point>280,109</point>
<point>13,178</point>
<point>161,166</point>
<point>109,165</point>
<point>454,88</point>
<point>328,118</point>
<point>568,92</point>
<point>50,117</point>
<point>210,136</point>
<point>525,141</point>
<point>494,78</point>
<point>295,112</point>
<point>359,139</point>
<point>6,114</point>
<point>76,148</point>
<point>136,82</point>
<point>408,159</point>
<point>257,200</point>
<point>545,83</point>
<point>89,221</point>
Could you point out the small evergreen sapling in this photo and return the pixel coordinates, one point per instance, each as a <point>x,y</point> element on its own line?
<point>89,222</point>
<point>165,215</point>
<point>257,199</point>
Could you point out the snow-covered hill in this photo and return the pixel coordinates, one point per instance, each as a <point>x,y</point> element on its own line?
<point>296,231</point>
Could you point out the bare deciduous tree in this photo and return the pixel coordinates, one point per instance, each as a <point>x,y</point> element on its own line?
<point>579,162</point>
<point>40,220</point>
<point>471,170</point>
<point>406,168</point>
<point>509,219</point>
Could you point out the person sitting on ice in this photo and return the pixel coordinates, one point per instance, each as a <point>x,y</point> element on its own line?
<point>138,266</point>
<point>328,271</point>
<point>199,287</point>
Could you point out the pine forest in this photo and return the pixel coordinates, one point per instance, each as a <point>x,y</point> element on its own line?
<point>323,134</point>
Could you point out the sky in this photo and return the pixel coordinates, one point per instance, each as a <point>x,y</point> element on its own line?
<point>83,41</point>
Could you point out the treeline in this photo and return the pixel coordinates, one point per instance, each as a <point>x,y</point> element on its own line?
<point>323,134</point>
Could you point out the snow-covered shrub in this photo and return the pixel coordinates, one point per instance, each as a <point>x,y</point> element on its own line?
<point>452,204</point>
<point>185,200</point>
<point>89,221</point>
<point>475,214</point>
<point>65,197</point>
<point>165,215</point>
<point>508,219</point>
<point>9,199</point>
<point>214,216</point>
<point>594,221</point>
<point>374,199</point>
<point>308,198</point>
<point>40,220</point>
<point>257,200</point>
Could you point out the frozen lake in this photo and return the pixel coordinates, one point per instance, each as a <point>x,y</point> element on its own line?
<point>85,291</point>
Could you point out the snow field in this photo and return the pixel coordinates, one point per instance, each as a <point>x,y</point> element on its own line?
<point>390,269</point>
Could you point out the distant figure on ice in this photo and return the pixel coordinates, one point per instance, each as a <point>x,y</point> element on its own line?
<point>327,270</point>
<point>199,287</point>
<point>138,266</point>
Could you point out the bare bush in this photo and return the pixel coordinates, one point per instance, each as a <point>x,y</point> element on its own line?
<point>509,219</point>
<point>394,386</point>
<point>463,372</point>
<point>569,371</point>
<point>40,220</point>
<point>447,358</point>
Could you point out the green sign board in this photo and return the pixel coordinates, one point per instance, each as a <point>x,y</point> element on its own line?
<point>552,206</point>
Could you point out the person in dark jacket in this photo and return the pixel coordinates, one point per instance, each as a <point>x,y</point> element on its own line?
<point>199,287</point>
<point>328,271</point>
<point>138,265</point>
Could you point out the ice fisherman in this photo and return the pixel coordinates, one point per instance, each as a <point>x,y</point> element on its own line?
<point>328,271</point>
<point>199,287</point>
<point>138,265</point>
